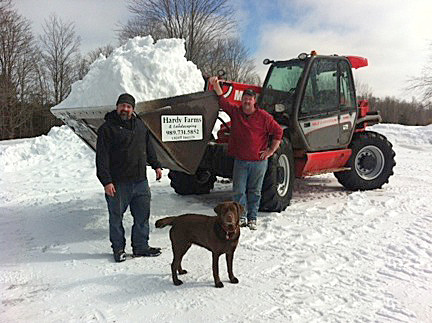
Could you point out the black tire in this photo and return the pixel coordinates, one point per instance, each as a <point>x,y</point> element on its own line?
<point>371,162</point>
<point>276,192</point>
<point>185,184</point>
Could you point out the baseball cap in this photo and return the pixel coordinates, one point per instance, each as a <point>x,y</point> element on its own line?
<point>249,92</point>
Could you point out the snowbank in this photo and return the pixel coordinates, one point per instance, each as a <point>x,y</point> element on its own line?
<point>145,69</point>
<point>59,144</point>
<point>408,135</point>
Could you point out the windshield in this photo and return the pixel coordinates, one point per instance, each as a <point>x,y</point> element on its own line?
<point>281,84</point>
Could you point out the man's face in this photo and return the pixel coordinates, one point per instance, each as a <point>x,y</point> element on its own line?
<point>124,110</point>
<point>248,104</point>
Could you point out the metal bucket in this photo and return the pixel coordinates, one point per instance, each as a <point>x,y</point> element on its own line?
<point>181,126</point>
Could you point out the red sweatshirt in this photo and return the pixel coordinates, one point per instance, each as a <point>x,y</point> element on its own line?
<point>249,133</point>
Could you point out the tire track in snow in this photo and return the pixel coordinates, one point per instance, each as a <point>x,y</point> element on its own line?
<point>312,258</point>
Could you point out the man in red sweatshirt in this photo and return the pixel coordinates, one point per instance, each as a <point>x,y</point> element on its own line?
<point>248,143</point>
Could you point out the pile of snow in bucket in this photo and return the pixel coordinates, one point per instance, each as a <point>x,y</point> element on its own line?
<point>141,67</point>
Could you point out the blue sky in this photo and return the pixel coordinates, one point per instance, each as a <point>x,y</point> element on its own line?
<point>254,14</point>
<point>395,35</point>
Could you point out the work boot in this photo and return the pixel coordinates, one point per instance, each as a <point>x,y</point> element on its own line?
<point>243,222</point>
<point>149,252</point>
<point>252,224</point>
<point>119,255</point>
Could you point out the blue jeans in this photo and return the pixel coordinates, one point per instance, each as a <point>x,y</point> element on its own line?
<point>248,177</point>
<point>136,195</point>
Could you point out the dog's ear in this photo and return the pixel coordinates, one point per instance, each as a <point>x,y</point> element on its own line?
<point>240,208</point>
<point>218,208</point>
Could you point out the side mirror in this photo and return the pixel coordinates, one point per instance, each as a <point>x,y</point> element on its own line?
<point>221,73</point>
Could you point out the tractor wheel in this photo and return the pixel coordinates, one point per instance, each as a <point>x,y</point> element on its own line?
<point>184,184</point>
<point>371,162</point>
<point>278,182</point>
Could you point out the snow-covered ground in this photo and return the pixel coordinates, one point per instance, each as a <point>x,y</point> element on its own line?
<point>332,256</point>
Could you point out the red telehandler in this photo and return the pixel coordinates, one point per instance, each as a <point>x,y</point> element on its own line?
<point>314,100</point>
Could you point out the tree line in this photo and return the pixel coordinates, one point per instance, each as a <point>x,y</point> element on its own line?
<point>413,113</point>
<point>37,71</point>
<point>410,113</point>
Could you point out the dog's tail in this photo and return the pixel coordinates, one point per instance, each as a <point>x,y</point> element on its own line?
<point>165,221</point>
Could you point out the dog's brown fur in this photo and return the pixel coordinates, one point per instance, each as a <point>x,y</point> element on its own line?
<point>219,234</point>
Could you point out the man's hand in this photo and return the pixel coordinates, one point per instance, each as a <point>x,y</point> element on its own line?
<point>265,154</point>
<point>110,189</point>
<point>158,172</point>
<point>214,81</point>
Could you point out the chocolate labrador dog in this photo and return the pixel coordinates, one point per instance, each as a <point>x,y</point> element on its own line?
<point>219,234</point>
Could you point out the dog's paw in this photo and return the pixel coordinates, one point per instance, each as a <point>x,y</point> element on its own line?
<point>234,280</point>
<point>182,272</point>
<point>219,285</point>
<point>178,282</point>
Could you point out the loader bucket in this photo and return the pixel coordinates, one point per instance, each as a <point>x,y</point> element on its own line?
<point>181,126</point>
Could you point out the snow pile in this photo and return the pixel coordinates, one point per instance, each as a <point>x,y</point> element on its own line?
<point>145,69</point>
<point>408,135</point>
<point>60,144</point>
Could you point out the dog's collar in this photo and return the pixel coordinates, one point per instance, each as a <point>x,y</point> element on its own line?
<point>225,233</point>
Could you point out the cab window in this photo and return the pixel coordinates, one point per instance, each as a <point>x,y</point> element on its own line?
<point>347,95</point>
<point>321,93</point>
<point>281,85</point>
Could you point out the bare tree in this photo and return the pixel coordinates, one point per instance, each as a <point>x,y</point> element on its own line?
<point>5,4</point>
<point>92,56</point>
<point>137,26</point>
<point>60,50</point>
<point>105,51</point>
<point>238,64</point>
<point>199,22</point>
<point>422,84</point>
<point>17,69</point>
<point>363,90</point>
<point>41,92</point>
<point>232,57</point>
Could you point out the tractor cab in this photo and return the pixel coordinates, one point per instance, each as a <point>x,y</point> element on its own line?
<point>314,96</point>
